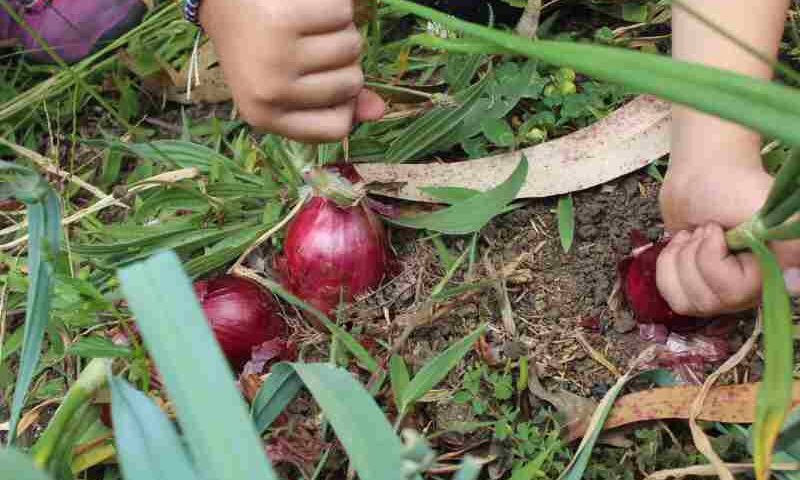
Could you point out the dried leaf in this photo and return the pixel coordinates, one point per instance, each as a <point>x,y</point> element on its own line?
<point>211,89</point>
<point>625,141</point>
<point>709,471</point>
<point>726,404</point>
<point>575,410</point>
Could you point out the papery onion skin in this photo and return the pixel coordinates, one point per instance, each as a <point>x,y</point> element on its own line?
<point>241,314</point>
<point>638,274</point>
<point>333,253</point>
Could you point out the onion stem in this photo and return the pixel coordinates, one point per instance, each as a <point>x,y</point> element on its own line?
<point>334,187</point>
<point>91,379</point>
<point>783,211</point>
<point>789,231</point>
<point>737,238</point>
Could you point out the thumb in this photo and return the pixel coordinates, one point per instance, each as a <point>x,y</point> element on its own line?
<point>788,255</point>
<point>791,276</point>
<point>369,106</point>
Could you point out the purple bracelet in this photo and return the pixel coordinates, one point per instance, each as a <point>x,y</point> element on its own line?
<point>190,8</point>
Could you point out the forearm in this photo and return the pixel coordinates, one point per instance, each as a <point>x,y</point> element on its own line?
<point>759,23</point>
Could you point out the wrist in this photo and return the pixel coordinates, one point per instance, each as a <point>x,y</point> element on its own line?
<point>727,194</point>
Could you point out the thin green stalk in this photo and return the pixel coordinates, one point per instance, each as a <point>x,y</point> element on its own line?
<point>61,458</point>
<point>91,379</point>
<point>786,182</point>
<point>785,210</point>
<point>789,231</point>
<point>60,62</point>
<point>321,464</point>
<point>775,392</point>
<point>737,238</point>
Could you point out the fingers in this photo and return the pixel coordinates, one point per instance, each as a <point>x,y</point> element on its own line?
<point>719,267</point>
<point>702,299</point>
<point>667,276</point>
<point>329,51</point>
<point>325,89</point>
<point>698,276</point>
<point>369,106</point>
<point>314,17</point>
<point>315,125</point>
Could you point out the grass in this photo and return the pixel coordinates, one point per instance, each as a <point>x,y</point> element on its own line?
<point>246,185</point>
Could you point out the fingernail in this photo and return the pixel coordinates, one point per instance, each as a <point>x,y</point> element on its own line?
<point>791,277</point>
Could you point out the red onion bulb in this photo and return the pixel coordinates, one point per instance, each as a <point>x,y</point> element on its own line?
<point>638,275</point>
<point>333,253</point>
<point>241,313</point>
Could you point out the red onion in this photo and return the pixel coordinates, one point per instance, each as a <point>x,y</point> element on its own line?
<point>241,314</point>
<point>638,275</point>
<point>10,205</point>
<point>333,251</point>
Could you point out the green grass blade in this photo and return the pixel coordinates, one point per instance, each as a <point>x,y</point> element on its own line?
<point>775,392</point>
<point>398,375</point>
<point>433,126</point>
<point>785,182</point>
<point>475,212</point>
<point>789,439</point>
<point>59,433</point>
<point>577,466</point>
<point>566,222</point>
<point>98,347</point>
<point>280,388</point>
<point>360,425</point>
<point>44,233</point>
<point>533,469</point>
<point>212,414</point>
<point>434,371</point>
<point>17,466</point>
<point>769,108</point>
<point>148,445</point>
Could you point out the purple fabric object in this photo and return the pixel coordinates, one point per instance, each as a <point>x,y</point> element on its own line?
<point>73,28</point>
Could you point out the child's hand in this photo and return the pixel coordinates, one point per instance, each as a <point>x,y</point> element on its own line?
<point>293,67</point>
<point>696,273</point>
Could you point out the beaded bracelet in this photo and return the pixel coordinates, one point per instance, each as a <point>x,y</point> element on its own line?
<point>190,8</point>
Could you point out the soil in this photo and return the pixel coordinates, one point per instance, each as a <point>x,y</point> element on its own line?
<point>553,295</point>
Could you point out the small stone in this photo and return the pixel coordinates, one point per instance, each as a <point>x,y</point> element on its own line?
<point>624,322</point>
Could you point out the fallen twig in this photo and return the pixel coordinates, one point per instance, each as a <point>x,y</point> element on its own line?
<point>710,471</point>
<point>597,356</point>
<point>45,164</point>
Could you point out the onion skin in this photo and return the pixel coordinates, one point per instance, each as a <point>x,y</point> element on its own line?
<point>10,205</point>
<point>241,314</point>
<point>333,253</point>
<point>638,274</point>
